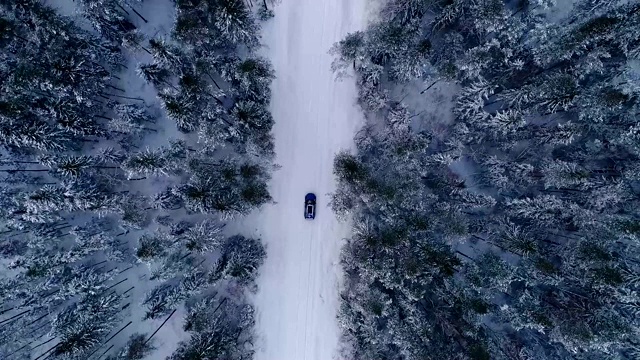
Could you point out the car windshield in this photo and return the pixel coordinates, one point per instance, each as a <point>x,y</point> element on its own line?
<point>309,209</point>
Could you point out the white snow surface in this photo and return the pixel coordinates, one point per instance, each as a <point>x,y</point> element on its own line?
<point>315,117</point>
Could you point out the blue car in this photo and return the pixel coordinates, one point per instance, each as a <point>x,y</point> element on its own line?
<point>310,206</point>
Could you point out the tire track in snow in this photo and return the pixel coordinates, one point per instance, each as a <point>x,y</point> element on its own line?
<point>314,245</point>
<point>305,305</point>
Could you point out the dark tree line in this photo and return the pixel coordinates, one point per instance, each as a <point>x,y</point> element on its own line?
<point>513,232</point>
<point>85,199</point>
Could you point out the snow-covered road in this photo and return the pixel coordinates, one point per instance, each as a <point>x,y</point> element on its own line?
<point>315,117</point>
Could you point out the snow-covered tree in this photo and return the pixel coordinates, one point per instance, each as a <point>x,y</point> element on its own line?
<point>348,52</point>
<point>84,325</point>
<point>167,55</point>
<point>253,122</point>
<point>165,297</point>
<point>237,187</point>
<point>216,23</point>
<point>220,328</point>
<point>108,17</point>
<point>153,246</point>
<point>203,237</point>
<point>163,161</point>
<point>130,119</point>
<point>148,162</point>
<point>250,77</point>
<point>155,74</point>
<point>137,348</point>
<point>240,259</point>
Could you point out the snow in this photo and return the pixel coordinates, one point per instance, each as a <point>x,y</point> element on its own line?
<point>559,11</point>
<point>315,117</point>
<point>432,108</point>
<point>64,7</point>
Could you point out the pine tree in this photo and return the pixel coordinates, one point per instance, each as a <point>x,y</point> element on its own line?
<point>203,237</point>
<point>83,325</point>
<point>108,17</point>
<point>137,348</point>
<point>165,297</point>
<point>157,162</point>
<point>219,327</point>
<point>240,187</point>
<point>167,55</point>
<point>153,246</point>
<point>130,119</point>
<point>240,259</point>
<point>250,77</point>
<point>155,74</point>
<point>221,24</point>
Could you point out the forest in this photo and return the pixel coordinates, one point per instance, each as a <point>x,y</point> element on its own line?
<point>113,205</point>
<point>510,228</point>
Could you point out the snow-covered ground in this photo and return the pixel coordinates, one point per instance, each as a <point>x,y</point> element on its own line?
<point>315,117</point>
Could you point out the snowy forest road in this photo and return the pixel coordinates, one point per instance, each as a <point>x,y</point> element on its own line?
<point>315,117</point>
